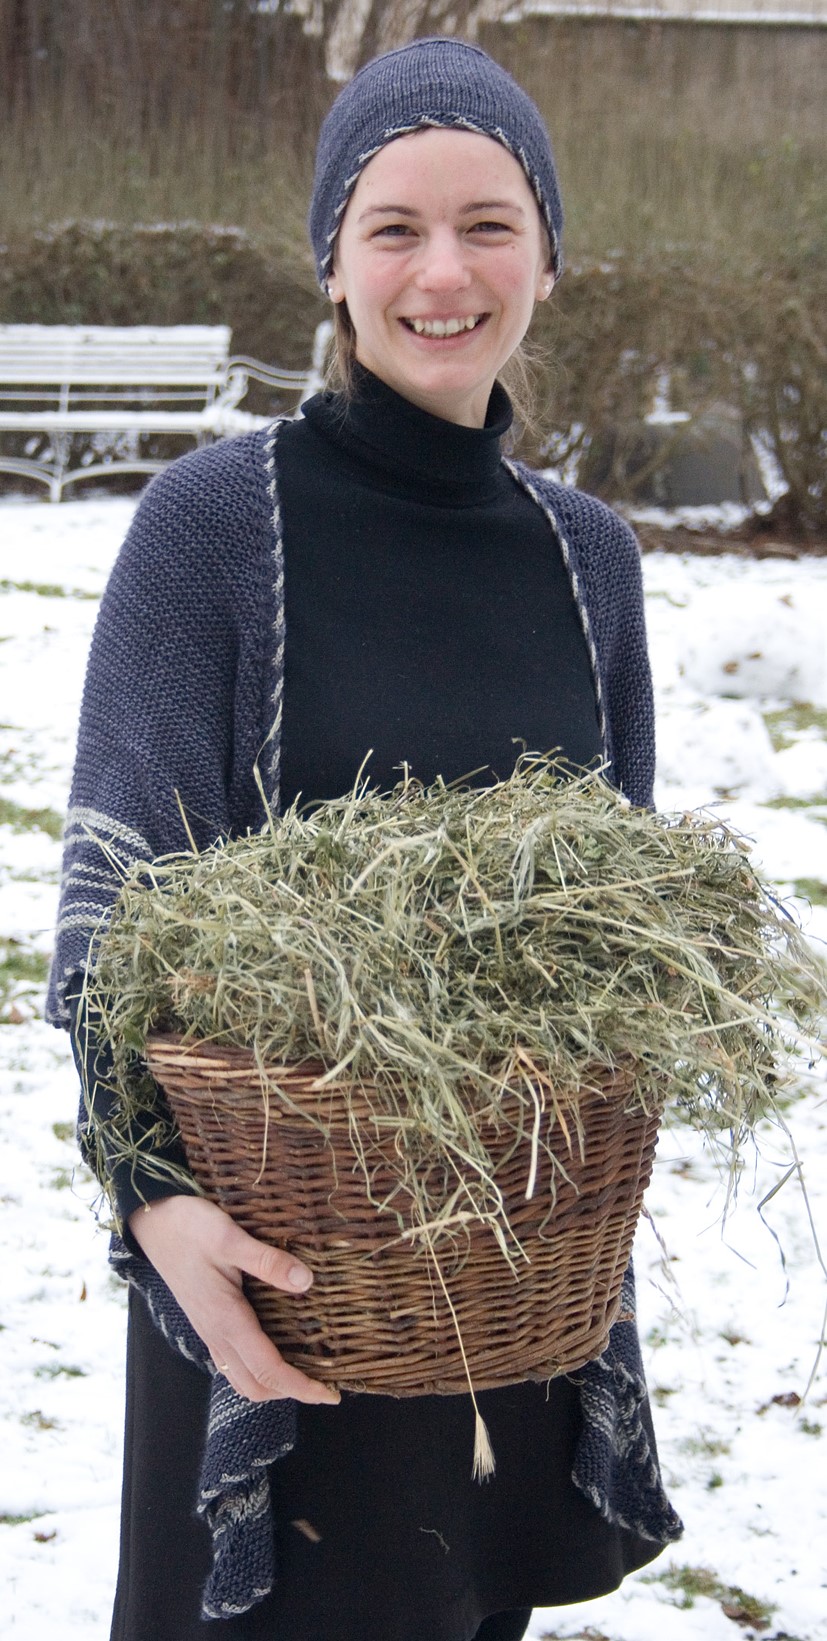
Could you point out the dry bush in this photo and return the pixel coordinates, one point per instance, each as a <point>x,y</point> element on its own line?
<point>756,342</point>
<point>163,275</point>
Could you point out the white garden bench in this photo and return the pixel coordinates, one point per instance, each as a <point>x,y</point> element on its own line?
<point>118,383</point>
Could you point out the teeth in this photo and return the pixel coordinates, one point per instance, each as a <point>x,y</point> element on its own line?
<point>444,327</point>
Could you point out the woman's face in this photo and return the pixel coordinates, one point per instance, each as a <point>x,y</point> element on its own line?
<point>441,257</point>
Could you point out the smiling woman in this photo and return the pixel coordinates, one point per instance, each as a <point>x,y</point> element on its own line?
<point>440,259</point>
<point>372,585</point>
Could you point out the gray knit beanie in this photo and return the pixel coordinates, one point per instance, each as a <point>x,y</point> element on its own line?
<point>440,82</point>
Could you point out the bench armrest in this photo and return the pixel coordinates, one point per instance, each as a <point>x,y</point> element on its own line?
<point>268,374</point>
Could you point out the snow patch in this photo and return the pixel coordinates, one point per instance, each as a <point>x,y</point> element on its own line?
<point>716,747</point>
<point>759,643</point>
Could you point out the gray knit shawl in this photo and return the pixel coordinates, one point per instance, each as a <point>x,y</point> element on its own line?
<point>183,699</point>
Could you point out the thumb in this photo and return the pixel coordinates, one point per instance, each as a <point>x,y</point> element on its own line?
<point>271,1265</point>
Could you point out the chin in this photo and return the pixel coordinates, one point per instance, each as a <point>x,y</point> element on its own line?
<point>450,395</point>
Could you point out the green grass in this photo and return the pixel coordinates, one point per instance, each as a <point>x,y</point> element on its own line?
<point>706,1445</point>
<point>60,1370</point>
<point>811,1427</point>
<point>588,1634</point>
<point>22,971</point>
<point>8,1520</point>
<point>661,1394</point>
<point>39,1421</point>
<point>814,805</point>
<point>52,876</point>
<point>64,1131</point>
<point>812,889</point>
<point>45,589</point>
<point>21,819</point>
<point>15,764</point>
<point>688,1584</point>
<point>657,1337</point>
<point>788,723</point>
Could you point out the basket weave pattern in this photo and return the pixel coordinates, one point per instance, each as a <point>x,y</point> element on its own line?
<point>375,1318</point>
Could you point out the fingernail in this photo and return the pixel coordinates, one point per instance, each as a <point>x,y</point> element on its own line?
<point>299,1277</point>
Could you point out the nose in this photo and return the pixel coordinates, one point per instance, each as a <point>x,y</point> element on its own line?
<point>443,264</point>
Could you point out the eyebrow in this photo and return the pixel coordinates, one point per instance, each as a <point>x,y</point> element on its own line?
<point>467,210</point>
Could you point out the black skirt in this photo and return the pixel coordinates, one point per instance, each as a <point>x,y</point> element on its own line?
<point>381,1534</point>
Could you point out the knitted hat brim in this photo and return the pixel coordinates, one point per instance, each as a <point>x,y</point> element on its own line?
<point>442,83</point>
<point>449,122</point>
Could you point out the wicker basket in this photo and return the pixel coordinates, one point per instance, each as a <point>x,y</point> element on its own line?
<point>375,1318</point>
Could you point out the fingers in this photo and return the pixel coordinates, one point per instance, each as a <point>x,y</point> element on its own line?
<point>252,1363</point>
<point>271,1265</point>
<point>201,1254</point>
<point>255,1369</point>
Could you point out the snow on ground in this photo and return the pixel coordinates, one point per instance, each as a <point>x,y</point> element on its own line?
<point>730,1319</point>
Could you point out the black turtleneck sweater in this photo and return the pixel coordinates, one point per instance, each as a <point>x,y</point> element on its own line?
<point>428,612</point>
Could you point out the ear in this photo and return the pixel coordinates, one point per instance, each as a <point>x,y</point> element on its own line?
<point>545,286</point>
<point>335,288</point>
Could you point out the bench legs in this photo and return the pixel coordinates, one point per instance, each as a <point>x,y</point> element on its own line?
<point>57,479</point>
<point>50,471</point>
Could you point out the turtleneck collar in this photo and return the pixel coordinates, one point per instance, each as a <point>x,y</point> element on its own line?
<point>434,457</point>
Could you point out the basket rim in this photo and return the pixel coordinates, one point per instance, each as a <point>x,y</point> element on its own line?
<point>180,1046</point>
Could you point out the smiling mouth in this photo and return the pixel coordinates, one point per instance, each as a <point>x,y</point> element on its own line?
<point>444,327</point>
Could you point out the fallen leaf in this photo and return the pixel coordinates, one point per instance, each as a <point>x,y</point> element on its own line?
<point>743,1614</point>
<point>785,1398</point>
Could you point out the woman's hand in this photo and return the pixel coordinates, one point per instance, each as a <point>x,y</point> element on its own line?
<point>201,1255</point>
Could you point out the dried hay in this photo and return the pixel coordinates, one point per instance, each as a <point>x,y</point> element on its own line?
<point>437,943</point>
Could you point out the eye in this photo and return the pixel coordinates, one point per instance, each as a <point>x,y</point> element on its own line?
<point>392,230</point>
<point>489,226</point>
